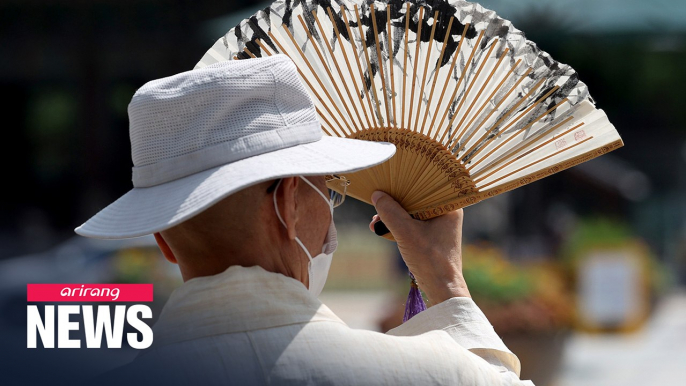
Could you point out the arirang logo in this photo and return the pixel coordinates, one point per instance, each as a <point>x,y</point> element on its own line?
<point>93,292</point>
<point>93,326</point>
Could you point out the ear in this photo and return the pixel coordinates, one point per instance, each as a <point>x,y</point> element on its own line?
<point>164,247</point>
<point>288,204</point>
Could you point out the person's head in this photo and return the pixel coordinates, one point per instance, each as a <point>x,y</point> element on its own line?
<point>213,150</point>
<point>244,229</point>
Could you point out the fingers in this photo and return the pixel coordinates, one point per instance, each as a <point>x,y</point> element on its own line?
<point>391,212</point>
<point>455,216</point>
<point>375,219</point>
<point>431,249</point>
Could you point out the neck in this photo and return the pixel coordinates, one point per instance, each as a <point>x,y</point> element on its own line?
<point>273,254</point>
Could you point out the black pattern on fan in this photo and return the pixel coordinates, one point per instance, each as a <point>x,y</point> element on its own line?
<point>473,107</point>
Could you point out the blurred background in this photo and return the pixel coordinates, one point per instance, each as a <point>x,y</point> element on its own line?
<point>582,273</point>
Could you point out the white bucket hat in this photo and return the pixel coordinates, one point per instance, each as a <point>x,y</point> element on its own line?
<point>201,135</point>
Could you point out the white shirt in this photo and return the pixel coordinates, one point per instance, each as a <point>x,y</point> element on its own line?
<point>247,326</point>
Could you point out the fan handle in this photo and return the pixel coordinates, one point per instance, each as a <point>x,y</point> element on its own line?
<point>382,230</point>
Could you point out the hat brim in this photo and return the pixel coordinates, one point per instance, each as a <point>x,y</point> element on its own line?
<point>143,211</point>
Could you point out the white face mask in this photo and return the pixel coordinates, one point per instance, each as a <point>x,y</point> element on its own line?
<point>318,267</point>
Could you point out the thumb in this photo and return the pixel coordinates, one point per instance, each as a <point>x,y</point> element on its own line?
<point>391,212</point>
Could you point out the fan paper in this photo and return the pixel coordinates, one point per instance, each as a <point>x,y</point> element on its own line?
<point>473,108</point>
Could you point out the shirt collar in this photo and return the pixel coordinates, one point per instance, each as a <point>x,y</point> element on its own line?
<point>237,300</point>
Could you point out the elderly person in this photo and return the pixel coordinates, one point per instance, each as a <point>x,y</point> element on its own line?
<point>230,175</point>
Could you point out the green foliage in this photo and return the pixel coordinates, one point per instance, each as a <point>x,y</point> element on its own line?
<point>605,233</point>
<point>533,298</point>
<point>51,117</point>
<point>51,113</point>
<point>594,233</point>
<point>491,278</point>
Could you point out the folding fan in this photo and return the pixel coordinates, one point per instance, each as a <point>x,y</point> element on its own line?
<point>473,108</point>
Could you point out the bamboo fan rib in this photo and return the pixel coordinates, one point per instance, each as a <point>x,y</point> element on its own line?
<point>473,108</point>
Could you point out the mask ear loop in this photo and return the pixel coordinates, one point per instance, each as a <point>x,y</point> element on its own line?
<point>278,214</point>
<point>328,200</point>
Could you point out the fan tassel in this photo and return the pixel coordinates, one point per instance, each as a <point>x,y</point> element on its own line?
<point>415,303</point>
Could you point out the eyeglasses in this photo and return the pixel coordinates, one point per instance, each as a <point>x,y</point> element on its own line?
<point>338,185</point>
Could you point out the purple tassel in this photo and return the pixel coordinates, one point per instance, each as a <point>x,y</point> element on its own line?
<point>415,302</point>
